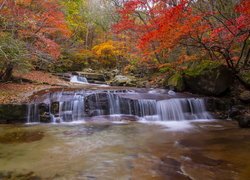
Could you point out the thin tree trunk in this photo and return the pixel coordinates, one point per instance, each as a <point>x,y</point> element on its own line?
<point>6,76</point>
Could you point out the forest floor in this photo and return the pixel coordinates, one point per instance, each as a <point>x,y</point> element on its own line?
<point>24,85</point>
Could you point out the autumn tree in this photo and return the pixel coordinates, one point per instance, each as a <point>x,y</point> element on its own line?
<point>40,24</point>
<point>110,53</point>
<point>217,27</point>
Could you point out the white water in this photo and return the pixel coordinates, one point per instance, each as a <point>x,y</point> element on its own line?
<point>79,79</point>
<point>79,105</point>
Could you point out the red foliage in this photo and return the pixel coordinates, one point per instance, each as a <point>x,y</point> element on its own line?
<point>159,25</point>
<point>38,21</point>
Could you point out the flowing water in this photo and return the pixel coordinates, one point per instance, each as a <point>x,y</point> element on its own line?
<point>78,105</point>
<point>79,79</point>
<point>122,134</point>
<point>125,150</point>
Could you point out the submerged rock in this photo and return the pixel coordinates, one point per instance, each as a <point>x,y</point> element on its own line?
<point>5,175</point>
<point>21,136</point>
<point>209,78</point>
<point>171,169</point>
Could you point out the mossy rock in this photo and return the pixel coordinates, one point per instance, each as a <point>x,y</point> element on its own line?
<point>245,77</point>
<point>245,96</point>
<point>13,113</point>
<point>208,77</point>
<point>202,68</point>
<point>176,82</point>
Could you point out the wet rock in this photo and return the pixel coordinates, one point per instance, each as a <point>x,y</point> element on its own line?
<point>243,120</point>
<point>43,108</point>
<point>201,159</point>
<point>209,78</point>
<point>245,96</point>
<point>120,80</point>
<point>44,113</point>
<point>9,175</point>
<point>13,113</point>
<point>176,82</point>
<point>171,169</point>
<point>21,136</point>
<point>96,104</point>
<point>219,107</point>
<point>55,106</point>
<point>235,111</point>
<point>45,118</point>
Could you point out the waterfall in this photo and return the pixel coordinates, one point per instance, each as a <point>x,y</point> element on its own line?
<point>74,106</point>
<point>79,79</point>
<point>182,109</point>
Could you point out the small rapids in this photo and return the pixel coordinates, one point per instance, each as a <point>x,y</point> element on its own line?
<point>149,106</point>
<point>79,79</point>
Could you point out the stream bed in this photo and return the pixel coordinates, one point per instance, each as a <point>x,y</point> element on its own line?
<point>126,150</point>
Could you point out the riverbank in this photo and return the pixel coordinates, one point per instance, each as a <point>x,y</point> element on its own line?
<point>23,85</point>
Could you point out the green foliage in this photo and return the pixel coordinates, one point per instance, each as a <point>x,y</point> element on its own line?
<point>73,61</point>
<point>13,53</point>
<point>165,69</point>
<point>176,81</point>
<point>245,77</point>
<point>199,67</point>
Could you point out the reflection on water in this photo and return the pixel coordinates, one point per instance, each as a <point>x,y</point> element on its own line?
<point>205,150</point>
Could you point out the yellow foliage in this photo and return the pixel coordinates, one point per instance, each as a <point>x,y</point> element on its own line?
<point>108,49</point>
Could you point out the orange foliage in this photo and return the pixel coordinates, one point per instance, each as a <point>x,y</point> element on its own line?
<point>37,20</point>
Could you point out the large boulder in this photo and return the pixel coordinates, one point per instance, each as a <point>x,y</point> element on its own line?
<point>176,82</point>
<point>209,78</point>
<point>120,80</point>
<point>13,113</point>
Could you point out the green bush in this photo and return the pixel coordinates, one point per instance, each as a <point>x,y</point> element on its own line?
<point>13,55</point>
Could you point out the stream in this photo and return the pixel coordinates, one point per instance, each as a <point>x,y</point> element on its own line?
<point>132,150</point>
<point>122,134</point>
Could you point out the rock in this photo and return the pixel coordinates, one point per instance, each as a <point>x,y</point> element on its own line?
<point>245,96</point>
<point>13,113</point>
<point>120,80</point>
<point>21,136</point>
<point>45,118</point>
<point>55,108</point>
<point>245,77</point>
<point>176,82</point>
<point>91,77</point>
<point>209,78</point>
<point>220,108</point>
<point>243,120</point>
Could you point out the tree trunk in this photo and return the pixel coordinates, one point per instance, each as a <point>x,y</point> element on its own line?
<point>6,76</point>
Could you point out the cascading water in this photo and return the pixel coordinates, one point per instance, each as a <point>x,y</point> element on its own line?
<point>79,79</point>
<point>74,106</point>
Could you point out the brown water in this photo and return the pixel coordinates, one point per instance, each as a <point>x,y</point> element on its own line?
<point>202,150</point>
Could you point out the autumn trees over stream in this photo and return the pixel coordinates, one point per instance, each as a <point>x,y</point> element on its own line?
<point>132,35</point>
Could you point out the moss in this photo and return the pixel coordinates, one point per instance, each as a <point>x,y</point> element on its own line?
<point>202,67</point>
<point>245,76</point>
<point>176,81</point>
